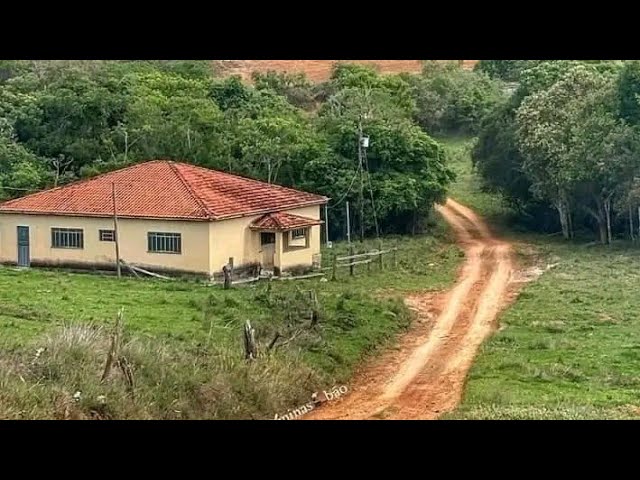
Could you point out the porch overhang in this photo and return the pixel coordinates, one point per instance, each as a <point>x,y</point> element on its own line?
<point>280,221</point>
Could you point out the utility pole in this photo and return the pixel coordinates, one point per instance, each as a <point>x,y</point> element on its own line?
<point>361,201</point>
<point>115,228</point>
<point>326,224</point>
<point>348,224</point>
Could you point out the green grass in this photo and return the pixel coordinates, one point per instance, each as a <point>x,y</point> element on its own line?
<point>569,347</point>
<point>467,187</point>
<point>184,338</point>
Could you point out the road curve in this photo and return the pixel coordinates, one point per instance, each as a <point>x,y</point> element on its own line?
<point>424,376</point>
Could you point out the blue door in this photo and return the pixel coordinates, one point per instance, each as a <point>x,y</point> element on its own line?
<point>24,258</point>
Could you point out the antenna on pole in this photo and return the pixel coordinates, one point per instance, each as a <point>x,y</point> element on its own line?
<point>361,199</point>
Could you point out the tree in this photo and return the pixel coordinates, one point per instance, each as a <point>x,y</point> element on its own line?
<point>604,158</point>
<point>507,70</point>
<point>404,171</point>
<point>628,92</point>
<point>546,122</point>
<point>20,170</point>
<point>452,100</point>
<point>294,87</point>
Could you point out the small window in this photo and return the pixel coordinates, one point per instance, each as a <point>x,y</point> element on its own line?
<point>107,235</point>
<point>67,238</point>
<point>298,233</point>
<point>298,238</point>
<point>267,238</point>
<point>165,242</point>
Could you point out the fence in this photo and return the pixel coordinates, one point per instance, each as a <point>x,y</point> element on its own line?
<point>374,257</point>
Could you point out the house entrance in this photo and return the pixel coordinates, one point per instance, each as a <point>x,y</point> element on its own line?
<point>268,247</point>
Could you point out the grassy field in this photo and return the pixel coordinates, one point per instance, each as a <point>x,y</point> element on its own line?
<point>467,187</point>
<point>569,347</point>
<point>184,339</point>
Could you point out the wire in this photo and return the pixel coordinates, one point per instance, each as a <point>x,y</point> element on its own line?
<point>373,204</point>
<point>353,180</point>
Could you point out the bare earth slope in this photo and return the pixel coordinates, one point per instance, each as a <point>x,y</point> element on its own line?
<point>424,376</point>
<point>317,70</point>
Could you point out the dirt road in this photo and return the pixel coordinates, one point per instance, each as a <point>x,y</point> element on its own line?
<point>424,376</point>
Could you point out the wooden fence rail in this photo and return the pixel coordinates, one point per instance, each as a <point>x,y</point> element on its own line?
<point>366,258</point>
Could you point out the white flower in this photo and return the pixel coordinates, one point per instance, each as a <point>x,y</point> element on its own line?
<point>76,396</point>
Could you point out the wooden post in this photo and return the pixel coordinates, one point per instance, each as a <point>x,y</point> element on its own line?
<point>115,228</point>
<point>348,224</point>
<point>395,255</point>
<point>226,271</point>
<point>334,265</point>
<point>351,267</point>
<point>250,350</point>
<point>380,256</point>
<point>231,265</point>
<point>114,350</point>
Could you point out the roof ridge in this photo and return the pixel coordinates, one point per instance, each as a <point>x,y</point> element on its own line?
<point>197,199</point>
<point>249,179</point>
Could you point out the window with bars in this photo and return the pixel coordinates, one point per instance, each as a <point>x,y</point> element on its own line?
<point>67,238</point>
<point>298,233</point>
<point>298,238</point>
<point>160,242</point>
<point>107,235</point>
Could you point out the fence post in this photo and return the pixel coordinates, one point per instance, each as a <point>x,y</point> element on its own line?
<point>226,271</point>
<point>351,266</point>
<point>380,255</point>
<point>334,265</point>
<point>395,254</point>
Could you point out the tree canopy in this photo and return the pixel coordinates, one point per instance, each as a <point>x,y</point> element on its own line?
<point>66,120</point>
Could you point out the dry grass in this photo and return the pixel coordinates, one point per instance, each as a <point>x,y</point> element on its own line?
<point>59,377</point>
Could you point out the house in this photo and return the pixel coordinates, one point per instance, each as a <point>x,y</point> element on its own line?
<point>172,217</point>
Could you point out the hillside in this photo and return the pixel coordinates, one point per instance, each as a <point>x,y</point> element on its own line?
<point>316,70</point>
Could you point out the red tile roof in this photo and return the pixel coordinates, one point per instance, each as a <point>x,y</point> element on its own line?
<point>164,189</point>
<point>283,221</point>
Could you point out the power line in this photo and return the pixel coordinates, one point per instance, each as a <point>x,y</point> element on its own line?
<point>353,180</point>
<point>361,179</point>
<point>373,204</point>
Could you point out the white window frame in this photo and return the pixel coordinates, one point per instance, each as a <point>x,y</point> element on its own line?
<point>298,233</point>
<point>73,237</point>
<point>298,238</point>
<point>111,232</point>
<point>157,240</point>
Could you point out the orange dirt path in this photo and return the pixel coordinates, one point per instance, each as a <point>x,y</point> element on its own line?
<point>424,376</point>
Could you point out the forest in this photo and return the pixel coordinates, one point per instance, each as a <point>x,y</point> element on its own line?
<point>65,120</point>
<point>564,149</point>
<point>561,147</point>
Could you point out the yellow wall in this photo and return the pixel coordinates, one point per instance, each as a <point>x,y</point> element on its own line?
<point>234,238</point>
<point>133,241</point>
<point>298,257</point>
<point>206,247</point>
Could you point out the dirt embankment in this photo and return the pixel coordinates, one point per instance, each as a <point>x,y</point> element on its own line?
<point>317,70</point>
<point>424,376</point>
